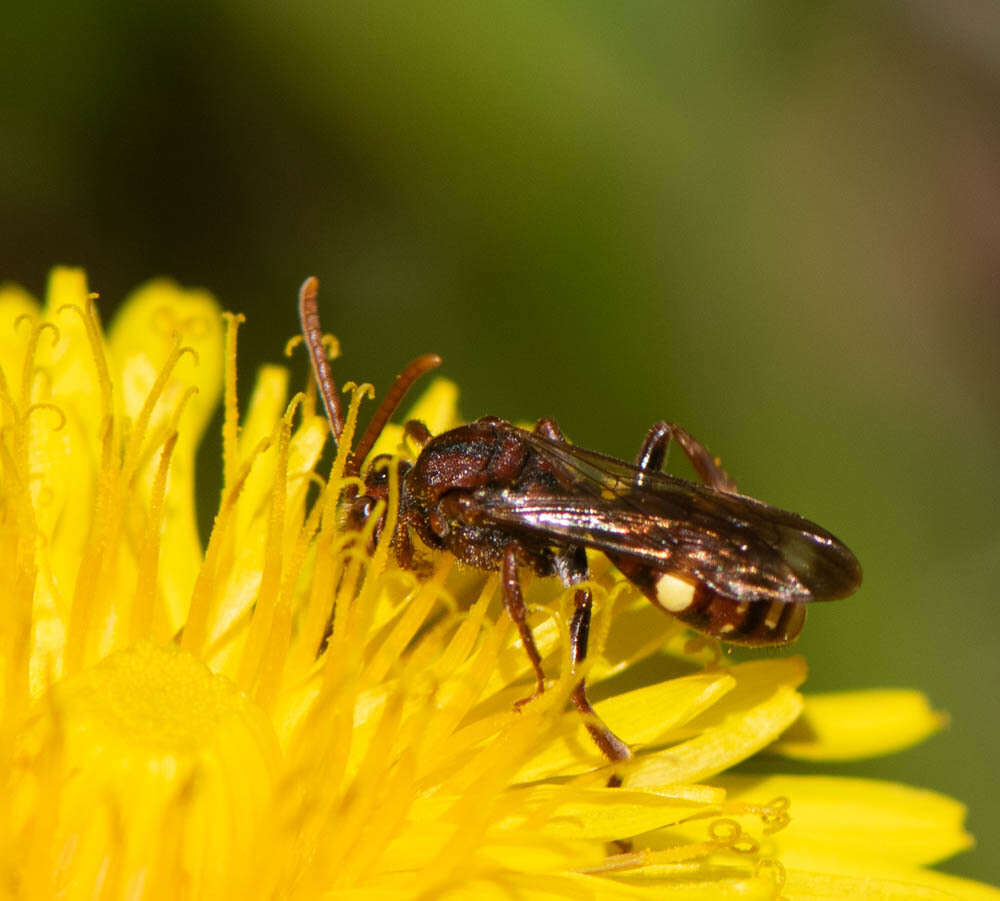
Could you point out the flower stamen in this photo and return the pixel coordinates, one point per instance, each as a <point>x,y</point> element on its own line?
<point>95,340</point>
<point>144,603</point>
<point>42,406</point>
<point>204,597</point>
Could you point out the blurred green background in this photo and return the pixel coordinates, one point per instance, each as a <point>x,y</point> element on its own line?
<point>773,222</point>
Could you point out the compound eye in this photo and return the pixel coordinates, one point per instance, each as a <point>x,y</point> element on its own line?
<point>359,511</point>
<point>377,474</point>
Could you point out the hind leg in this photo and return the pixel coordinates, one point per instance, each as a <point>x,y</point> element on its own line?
<point>610,745</point>
<point>653,454</point>
<point>572,568</point>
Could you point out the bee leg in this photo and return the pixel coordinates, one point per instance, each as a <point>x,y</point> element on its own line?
<point>513,602</point>
<point>571,567</point>
<point>402,544</point>
<point>653,454</point>
<point>547,428</point>
<point>417,432</point>
<point>610,745</point>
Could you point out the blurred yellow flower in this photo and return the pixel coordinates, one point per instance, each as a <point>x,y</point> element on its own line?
<point>280,715</point>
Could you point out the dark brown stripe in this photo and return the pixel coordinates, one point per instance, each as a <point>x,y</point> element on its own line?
<point>750,626</point>
<point>710,613</point>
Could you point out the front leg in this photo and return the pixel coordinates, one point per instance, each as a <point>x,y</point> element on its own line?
<point>402,544</point>
<point>513,602</point>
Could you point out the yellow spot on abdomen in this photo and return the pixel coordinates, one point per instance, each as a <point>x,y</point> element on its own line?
<point>673,594</point>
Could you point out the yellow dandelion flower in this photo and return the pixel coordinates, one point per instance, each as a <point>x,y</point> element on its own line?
<point>282,715</point>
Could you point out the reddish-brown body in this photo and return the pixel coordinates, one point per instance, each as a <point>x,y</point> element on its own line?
<point>500,498</point>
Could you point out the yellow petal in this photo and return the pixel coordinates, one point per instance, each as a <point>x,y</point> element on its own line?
<point>902,884</point>
<point>638,630</point>
<point>70,361</point>
<point>146,767</point>
<point>638,717</point>
<point>238,577</point>
<point>762,705</point>
<point>15,303</point>
<point>853,724</point>
<point>679,882</point>
<point>608,813</point>
<point>646,715</point>
<point>58,416</point>
<point>695,881</point>
<point>154,322</point>
<point>859,817</point>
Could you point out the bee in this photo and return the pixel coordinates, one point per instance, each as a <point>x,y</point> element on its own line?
<point>504,499</point>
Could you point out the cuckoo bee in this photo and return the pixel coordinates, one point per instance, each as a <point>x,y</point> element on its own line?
<point>502,498</point>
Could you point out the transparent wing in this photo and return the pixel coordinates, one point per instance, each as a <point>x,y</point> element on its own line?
<point>738,546</point>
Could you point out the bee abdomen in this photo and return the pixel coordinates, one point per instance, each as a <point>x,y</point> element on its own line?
<point>751,623</point>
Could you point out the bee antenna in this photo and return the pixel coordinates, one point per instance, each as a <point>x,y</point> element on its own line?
<point>312,333</point>
<point>404,381</point>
